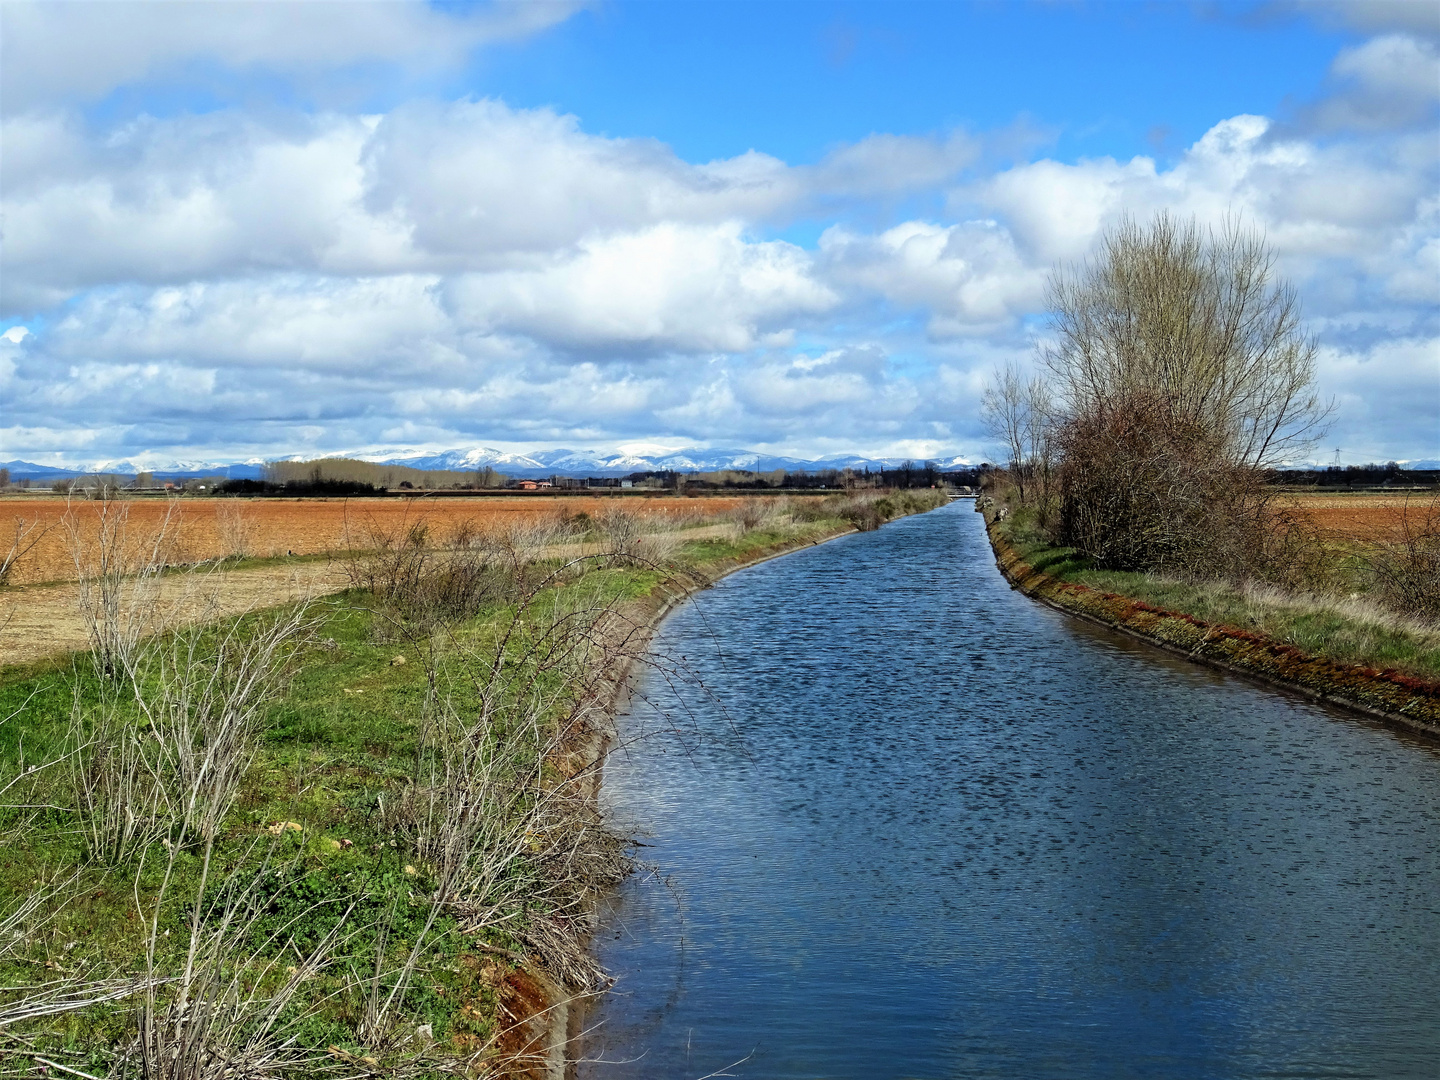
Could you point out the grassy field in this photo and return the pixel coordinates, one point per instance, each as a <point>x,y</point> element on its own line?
<point>1341,621</point>
<point>331,839</point>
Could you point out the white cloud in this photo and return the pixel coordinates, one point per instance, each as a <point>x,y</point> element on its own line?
<point>1387,399</point>
<point>668,287</point>
<point>472,186</point>
<point>969,278</point>
<point>1388,82</point>
<point>473,272</point>
<point>478,180</point>
<point>56,53</point>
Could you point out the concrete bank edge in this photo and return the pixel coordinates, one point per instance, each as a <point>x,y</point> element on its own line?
<point>1391,696</point>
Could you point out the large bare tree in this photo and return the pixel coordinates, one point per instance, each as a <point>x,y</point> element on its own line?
<point>1196,321</point>
<point>1182,372</point>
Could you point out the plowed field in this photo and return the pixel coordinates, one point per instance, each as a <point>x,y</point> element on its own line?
<point>1362,517</point>
<point>199,529</point>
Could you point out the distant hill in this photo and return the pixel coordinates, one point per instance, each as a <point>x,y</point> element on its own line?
<point>28,470</point>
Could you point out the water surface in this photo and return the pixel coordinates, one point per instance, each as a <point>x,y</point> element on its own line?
<point>916,825</point>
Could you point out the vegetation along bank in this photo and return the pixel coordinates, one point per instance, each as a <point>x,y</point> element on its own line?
<point>350,837</point>
<point>1343,649</point>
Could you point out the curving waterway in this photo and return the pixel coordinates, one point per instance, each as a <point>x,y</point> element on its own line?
<point>915,825</point>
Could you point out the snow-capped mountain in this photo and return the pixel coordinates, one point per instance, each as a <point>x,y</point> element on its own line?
<point>239,470</point>
<point>536,464</point>
<point>594,463</point>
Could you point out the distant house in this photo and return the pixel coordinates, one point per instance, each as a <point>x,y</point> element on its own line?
<point>543,484</point>
<point>529,485</point>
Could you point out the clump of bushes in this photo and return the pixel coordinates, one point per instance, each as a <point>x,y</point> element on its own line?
<point>1405,571</point>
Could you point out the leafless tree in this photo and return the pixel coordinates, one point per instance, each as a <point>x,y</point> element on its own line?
<point>1019,413</point>
<point>1181,373</point>
<point>1195,320</point>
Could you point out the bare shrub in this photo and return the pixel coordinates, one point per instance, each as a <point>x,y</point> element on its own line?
<point>426,585</point>
<point>118,787</point>
<point>23,538</point>
<point>235,526</point>
<point>1405,570</point>
<point>223,1008</point>
<point>117,570</point>
<point>162,756</point>
<point>632,540</point>
<point>497,808</point>
<point>750,514</point>
<point>1141,491</point>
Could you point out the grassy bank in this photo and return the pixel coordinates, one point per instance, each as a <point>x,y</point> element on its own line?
<point>341,839</point>
<point>1348,648</point>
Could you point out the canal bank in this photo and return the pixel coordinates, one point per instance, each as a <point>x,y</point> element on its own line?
<point>1392,696</point>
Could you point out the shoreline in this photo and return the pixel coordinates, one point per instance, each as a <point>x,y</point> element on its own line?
<point>549,1018</point>
<point>1397,699</point>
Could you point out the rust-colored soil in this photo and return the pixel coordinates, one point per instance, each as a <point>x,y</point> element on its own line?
<point>1362,517</point>
<point>201,528</point>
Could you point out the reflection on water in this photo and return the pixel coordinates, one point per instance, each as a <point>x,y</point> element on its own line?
<point>927,828</point>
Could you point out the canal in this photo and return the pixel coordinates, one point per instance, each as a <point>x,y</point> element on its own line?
<point>902,822</point>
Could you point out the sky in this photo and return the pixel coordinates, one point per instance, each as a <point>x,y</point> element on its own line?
<point>265,229</point>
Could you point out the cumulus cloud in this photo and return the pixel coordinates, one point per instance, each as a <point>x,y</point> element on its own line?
<point>460,272</point>
<point>1361,210</point>
<point>53,54</point>
<point>668,287</point>
<point>968,278</point>
<point>469,186</point>
<point>1388,82</point>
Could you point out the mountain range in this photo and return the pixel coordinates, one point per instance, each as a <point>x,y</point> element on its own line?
<point>537,464</point>
<point>540,463</point>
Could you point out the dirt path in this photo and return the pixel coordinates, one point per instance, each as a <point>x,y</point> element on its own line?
<point>39,621</point>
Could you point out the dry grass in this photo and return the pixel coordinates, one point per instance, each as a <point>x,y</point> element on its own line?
<point>1337,600</point>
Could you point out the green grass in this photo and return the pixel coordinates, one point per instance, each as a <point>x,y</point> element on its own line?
<point>340,737</point>
<point>1346,628</point>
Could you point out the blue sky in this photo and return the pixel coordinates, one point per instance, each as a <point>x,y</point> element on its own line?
<point>716,79</point>
<point>248,230</point>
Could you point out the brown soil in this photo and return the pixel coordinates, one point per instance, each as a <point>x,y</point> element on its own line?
<point>1361,517</point>
<point>38,621</point>
<point>202,528</point>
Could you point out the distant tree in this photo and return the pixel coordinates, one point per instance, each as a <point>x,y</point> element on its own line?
<point>1019,413</point>
<point>4,478</point>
